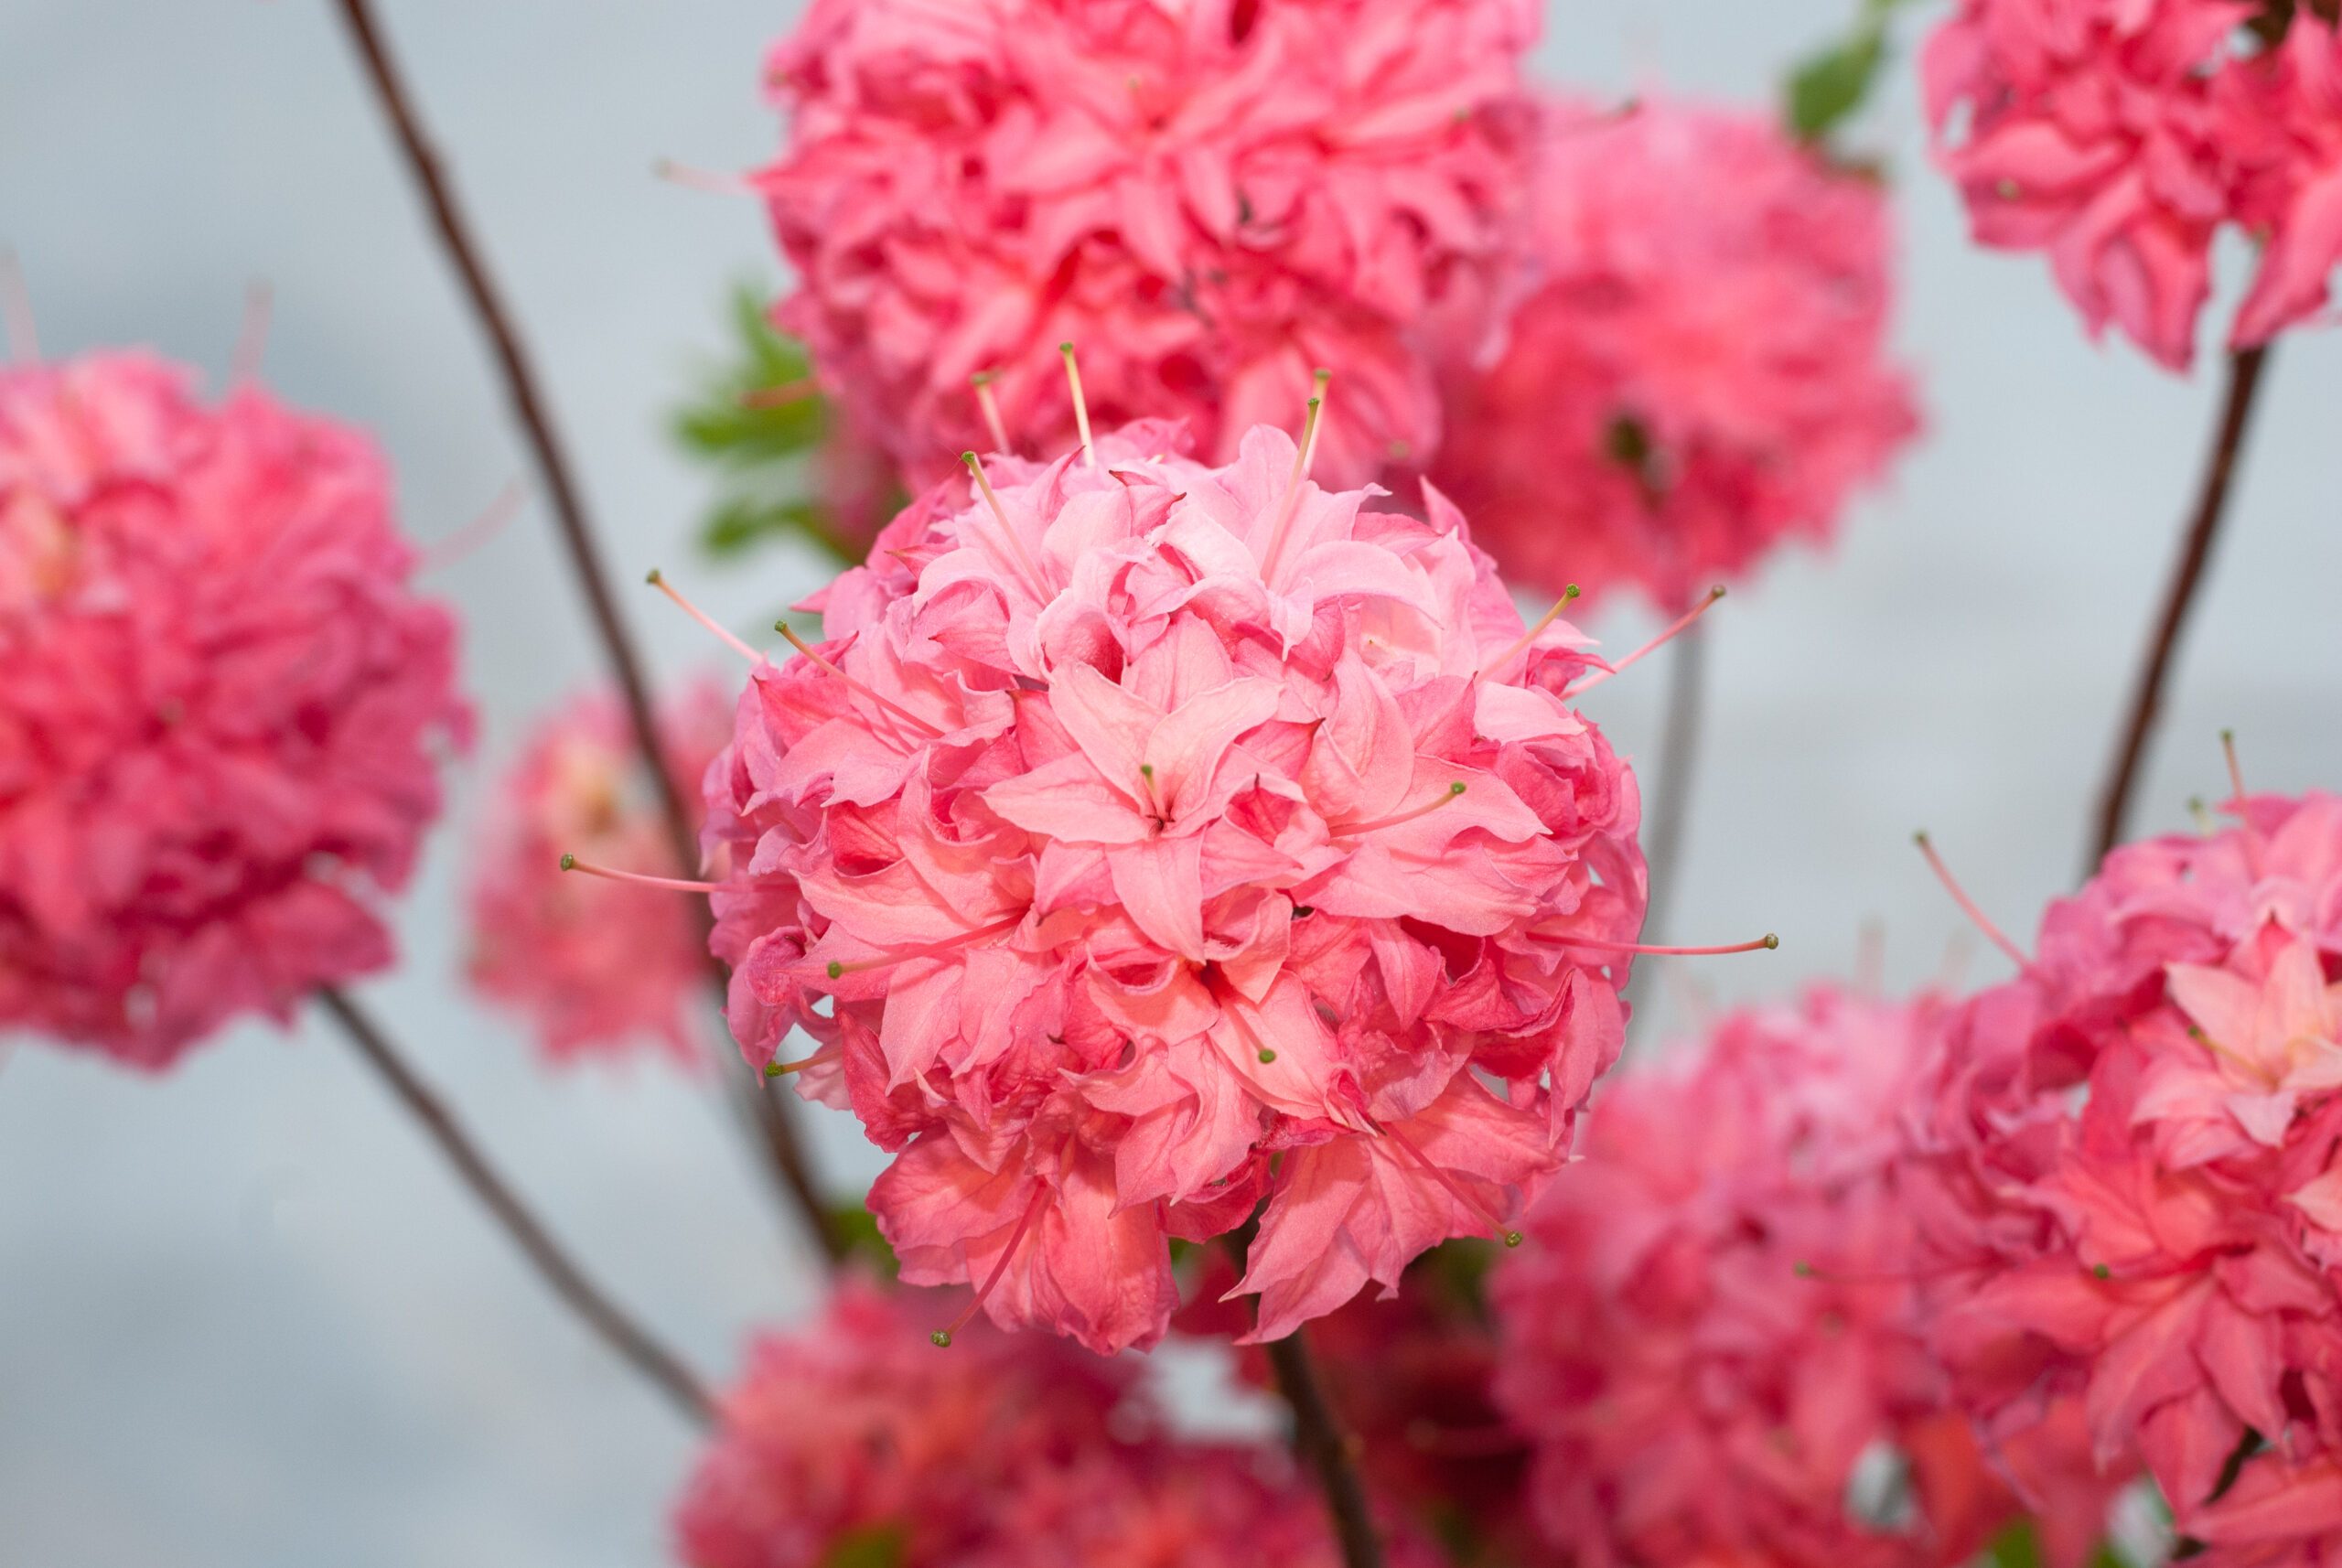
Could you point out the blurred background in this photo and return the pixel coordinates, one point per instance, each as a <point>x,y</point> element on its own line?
<point>246,1316</point>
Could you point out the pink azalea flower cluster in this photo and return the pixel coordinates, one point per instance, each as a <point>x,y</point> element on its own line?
<point>851,1442</point>
<point>1145,837</point>
<point>2121,135</point>
<point>1210,199</point>
<point>1697,369</point>
<point>221,710</point>
<point>599,970</point>
<point>1713,1321</point>
<point>2123,1177</point>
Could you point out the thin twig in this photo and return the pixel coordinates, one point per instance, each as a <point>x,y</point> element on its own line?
<point>2245,368</point>
<point>776,1133</point>
<point>1317,1435</point>
<point>1671,805</point>
<point>604,1316</point>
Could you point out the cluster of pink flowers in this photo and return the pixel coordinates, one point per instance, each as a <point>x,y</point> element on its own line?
<point>2121,135</point>
<point>1138,822</point>
<point>1697,369</point>
<point>221,711</point>
<point>1714,1319</point>
<point>1210,199</point>
<point>850,1441</point>
<point>599,970</point>
<point>2125,1180</point>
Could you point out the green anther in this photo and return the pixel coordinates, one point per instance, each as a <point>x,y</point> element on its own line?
<point>651,577</point>
<point>1512,1238</point>
<point>1804,1270</point>
<point>774,1070</point>
<point>1456,788</point>
<point>1267,1055</point>
<point>836,969</point>
<point>569,862</point>
<point>2102,1271</point>
<point>940,1339</point>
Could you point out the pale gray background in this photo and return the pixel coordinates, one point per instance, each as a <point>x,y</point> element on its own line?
<point>246,1319</point>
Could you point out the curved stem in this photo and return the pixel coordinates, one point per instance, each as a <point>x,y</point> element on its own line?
<point>1679,759</point>
<point>2245,368</point>
<point>769,1116</point>
<point>1318,1435</point>
<point>604,1316</point>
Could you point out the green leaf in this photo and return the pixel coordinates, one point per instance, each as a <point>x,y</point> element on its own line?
<point>873,1546</point>
<point>1829,86</point>
<point>2018,1546</point>
<point>741,523</point>
<point>853,1225</point>
<point>1833,84</point>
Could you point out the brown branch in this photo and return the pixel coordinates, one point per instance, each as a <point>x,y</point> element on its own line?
<point>776,1136</point>
<point>2245,368</point>
<point>1318,1436</point>
<point>605,1317</point>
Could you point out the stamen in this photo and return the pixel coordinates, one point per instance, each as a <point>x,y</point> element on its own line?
<point>1291,505</point>
<point>1487,1216</point>
<point>838,970</point>
<point>1766,943</point>
<point>1531,635</point>
<point>444,553</point>
<point>674,884</point>
<point>892,706</point>
<point>1993,933</point>
<point>1694,613</point>
<point>1312,427</point>
<point>781,396</point>
<point>2235,773</point>
<point>941,1337</point>
<point>782,1069</point>
<point>659,581</point>
<point>1034,580</point>
<point>981,380</point>
<point>710,180</point>
<point>16,311</point>
<point>1455,792</point>
<point>251,339</point>
<point>1080,405</point>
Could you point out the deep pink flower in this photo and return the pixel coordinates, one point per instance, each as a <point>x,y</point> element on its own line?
<point>2120,135</point>
<point>1210,199</point>
<point>2122,1173</point>
<point>1714,1320</point>
<point>1698,369</point>
<point>853,1430</point>
<point>852,1441</point>
<point>1160,821</point>
<point>221,709</point>
<point>597,969</point>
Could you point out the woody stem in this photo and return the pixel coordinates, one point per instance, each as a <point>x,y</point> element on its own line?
<point>768,1114</point>
<point>2245,368</point>
<point>1317,1435</point>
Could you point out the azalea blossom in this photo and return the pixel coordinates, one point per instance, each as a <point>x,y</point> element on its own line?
<point>596,969</point>
<point>848,1440</point>
<point>2122,1177</point>
<point>1143,839</point>
<point>2120,136</point>
<point>1713,1328</point>
<point>222,710</point>
<point>1697,369</point>
<point>1211,198</point>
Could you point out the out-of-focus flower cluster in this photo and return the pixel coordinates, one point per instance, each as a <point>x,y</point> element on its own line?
<point>221,710</point>
<point>849,1441</point>
<point>2121,136</point>
<point>596,969</point>
<point>1696,369</point>
<point>1161,838</point>
<point>1712,1337</point>
<point>2125,1180</point>
<point>1210,199</point>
